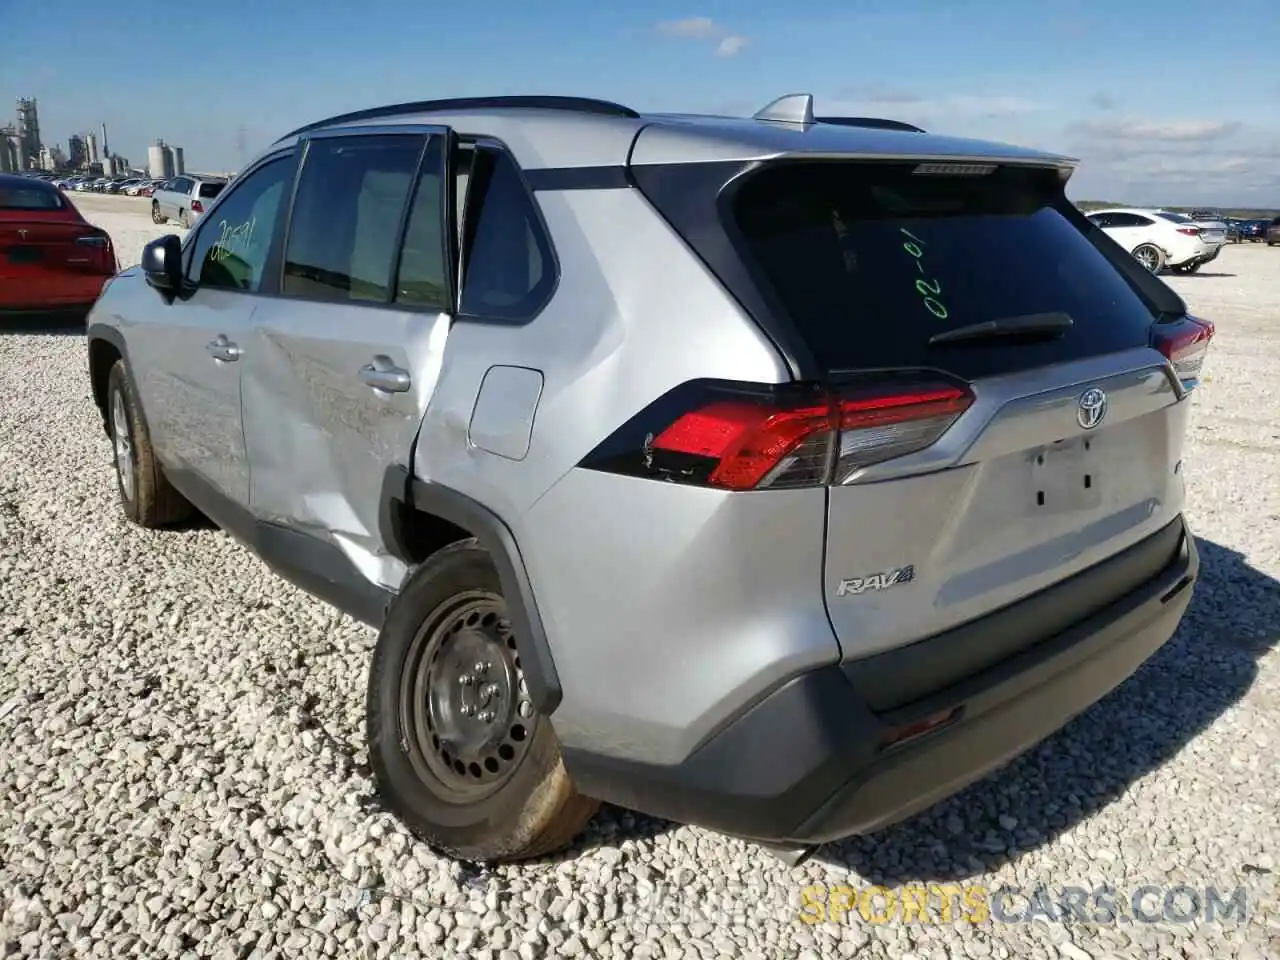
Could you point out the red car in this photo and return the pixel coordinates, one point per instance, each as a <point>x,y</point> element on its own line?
<point>51,259</point>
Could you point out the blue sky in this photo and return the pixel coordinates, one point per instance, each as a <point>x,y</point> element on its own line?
<point>1170,102</point>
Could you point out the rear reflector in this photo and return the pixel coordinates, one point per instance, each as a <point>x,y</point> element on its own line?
<point>750,438</point>
<point>1185,344</point>
<point>913,731</point>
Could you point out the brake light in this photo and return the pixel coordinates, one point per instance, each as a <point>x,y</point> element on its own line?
<point>104,254</point>
<point>1190,231</point>
<point>744,438</point>
<point>1185,344</point>
<point>197,206</point>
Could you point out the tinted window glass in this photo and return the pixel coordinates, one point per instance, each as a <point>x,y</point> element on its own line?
<point>351,196</point>
<point>30,198</point>
<point>420,280</point>
<point>508,261</point>
<point>871,260</point>
<point>230,250</point>
<point>210,190</point>
<point>1176,217</point>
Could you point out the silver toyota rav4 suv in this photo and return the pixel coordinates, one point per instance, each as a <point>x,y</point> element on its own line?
<point>780,475</point>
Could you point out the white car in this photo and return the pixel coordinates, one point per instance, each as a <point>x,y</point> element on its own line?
<point>1161,238</point>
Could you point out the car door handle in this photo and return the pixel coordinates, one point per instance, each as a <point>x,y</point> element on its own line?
<point>220,348</point>
<point>382,375</point>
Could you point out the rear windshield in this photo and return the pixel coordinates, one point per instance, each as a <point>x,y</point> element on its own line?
<point>30,198</point>
<point>211,189</point>
<point>870,260</point>
<point>1176,217</point>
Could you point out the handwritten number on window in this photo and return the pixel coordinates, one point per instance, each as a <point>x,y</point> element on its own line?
<point>928,288</point>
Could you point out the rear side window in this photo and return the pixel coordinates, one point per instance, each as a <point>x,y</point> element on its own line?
<point>30,198</point>
<point>871,260</point>
<point>350,201</point>
<point>509,268</point>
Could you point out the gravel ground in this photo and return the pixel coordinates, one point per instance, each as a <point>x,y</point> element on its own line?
<point>182,772</point>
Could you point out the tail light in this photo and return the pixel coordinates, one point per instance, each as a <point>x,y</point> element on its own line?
<point>197,206</point>
<point>1190,231</point>
<point>1185,344</point>
<point>105,256</point>
<point>750,437</point>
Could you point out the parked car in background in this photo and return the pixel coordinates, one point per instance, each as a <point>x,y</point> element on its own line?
<point>51,259</point>
<point>753,566</point>
<point>184,198</point>
<point>1213,225</point>
<point>1160,239</point>
<point>1273,232</point>
<point>1253,231</point>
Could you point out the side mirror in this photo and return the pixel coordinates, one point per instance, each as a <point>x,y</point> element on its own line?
<point>162,263</point>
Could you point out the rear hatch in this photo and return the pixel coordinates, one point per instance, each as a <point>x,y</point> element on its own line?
<point>877,264</point>
<point>1059,444</point>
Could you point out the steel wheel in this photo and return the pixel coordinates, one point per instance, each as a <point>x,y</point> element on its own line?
<point>464,702</point>
<point>123,444</point>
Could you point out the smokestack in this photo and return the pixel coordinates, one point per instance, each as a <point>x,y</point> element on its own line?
<point>105,151</point>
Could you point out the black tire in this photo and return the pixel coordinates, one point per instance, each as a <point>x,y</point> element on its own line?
<point>1150,256</point>
<point>531,808</point>
<point>155,213</point>
<point>150,500</point>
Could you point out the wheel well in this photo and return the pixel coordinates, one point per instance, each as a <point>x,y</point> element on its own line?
<point>421,534</point>
<point>102,357</point>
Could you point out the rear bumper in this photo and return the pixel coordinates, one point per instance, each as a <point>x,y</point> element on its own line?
<point>806,764</point>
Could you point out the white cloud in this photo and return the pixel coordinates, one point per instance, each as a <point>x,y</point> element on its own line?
<point>1172,162</point>
<point>727,44</point>
<point>694,28</point>
<point>731,46</point>
<point>893,101</point>
<point>1174,131</point>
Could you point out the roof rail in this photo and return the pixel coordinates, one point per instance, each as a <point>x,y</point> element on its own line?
<point>533,102</point>
<point>878,123</point>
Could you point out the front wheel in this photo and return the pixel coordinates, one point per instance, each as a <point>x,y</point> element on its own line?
<point>458,751</point>
<point>146,496</point>
<point>1150,256</point>
<point>156,216</point>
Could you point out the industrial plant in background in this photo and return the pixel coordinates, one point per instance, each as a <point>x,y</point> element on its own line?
<point>22,148</point>
<point>165,161</point>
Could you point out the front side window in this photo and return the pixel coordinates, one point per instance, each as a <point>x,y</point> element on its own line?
<point>350,201</point>
<point>230,250</point>
<point>421,279</point>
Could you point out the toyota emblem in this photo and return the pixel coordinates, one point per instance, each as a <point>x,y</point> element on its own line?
<point>1091,408</point>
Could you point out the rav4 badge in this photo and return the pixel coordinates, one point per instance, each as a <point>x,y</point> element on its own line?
<point>876,581</point>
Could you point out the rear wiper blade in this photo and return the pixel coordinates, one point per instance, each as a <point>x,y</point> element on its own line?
<point>1030,324</point>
